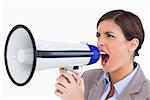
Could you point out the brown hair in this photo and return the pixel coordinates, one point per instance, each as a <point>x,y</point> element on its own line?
<point>129,23</point>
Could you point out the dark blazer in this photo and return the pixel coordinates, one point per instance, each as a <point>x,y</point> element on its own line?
<point>137,89</point>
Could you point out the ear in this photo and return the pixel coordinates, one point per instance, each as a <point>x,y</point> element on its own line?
<point>133,44</point>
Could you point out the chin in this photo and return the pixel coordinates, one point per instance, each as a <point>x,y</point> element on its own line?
<point>109,68</point>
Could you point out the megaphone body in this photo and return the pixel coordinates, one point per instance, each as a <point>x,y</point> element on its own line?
<point>24,55</point>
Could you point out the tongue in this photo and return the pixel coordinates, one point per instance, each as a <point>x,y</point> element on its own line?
<point>105,59</point>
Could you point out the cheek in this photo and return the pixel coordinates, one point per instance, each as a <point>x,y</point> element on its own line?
<point>98,41</point>
<point>118,52</point>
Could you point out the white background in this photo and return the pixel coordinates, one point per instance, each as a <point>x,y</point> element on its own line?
<point>61,21</point>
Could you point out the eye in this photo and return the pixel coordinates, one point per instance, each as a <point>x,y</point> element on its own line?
<point>98,35</point>
<point>108,34</point>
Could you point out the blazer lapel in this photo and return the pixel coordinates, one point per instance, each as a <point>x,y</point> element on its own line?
<point>96,91</point>
<point>133,87</point>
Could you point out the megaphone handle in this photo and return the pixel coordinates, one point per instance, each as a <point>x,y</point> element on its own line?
<point>74,69</point>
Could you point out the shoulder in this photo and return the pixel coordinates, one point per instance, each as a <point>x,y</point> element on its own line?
<point>140,86</point>
<point>146,85</point>
<point>92,75</point>
<point>144,93</point>
<point>90,78</point>
<point>145,90</point>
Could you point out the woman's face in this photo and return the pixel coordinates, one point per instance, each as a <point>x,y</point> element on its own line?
<point>113,46</point>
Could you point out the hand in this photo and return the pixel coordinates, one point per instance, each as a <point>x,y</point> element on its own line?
<point>69,86</point>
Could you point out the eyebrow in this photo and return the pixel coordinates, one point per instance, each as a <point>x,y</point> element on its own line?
<point>105,32</point>
<point>98,33</point>
<point>109,32</point>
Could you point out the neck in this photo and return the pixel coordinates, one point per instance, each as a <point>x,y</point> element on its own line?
<point>121,73</point>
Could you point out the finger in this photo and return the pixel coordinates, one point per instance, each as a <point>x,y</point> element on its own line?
<point>59,94</point>
<point>59,91</point>
<point>82,81</point>
<point>69,77</point>
<point>60,87</point>
<point>82,84</point>
<point>63,81</point>
<point>77,77</point>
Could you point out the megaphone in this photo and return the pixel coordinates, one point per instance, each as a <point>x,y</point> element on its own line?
<point>24,55</point>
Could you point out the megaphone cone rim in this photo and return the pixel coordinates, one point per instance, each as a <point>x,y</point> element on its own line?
<point>34,54</point>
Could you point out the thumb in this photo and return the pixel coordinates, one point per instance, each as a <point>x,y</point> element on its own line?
<point>62,70</point>
<point>82,84</point>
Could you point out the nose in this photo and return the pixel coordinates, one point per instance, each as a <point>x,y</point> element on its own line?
<point>100,43</point>
<point>100,46</point>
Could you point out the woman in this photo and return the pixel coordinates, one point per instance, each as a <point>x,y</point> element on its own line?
<point>120,35</point>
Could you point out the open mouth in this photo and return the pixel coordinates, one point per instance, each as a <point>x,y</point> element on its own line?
<point>104,58</point>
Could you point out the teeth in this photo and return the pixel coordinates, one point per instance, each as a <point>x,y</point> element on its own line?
<point>103,53</point>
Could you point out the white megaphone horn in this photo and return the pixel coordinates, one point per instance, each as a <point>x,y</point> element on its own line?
<point>24,55</point>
